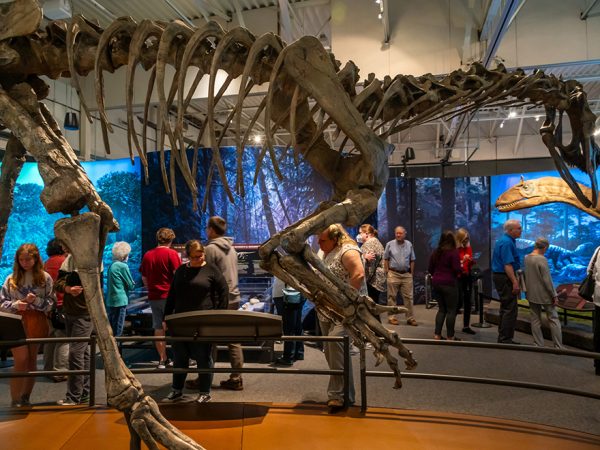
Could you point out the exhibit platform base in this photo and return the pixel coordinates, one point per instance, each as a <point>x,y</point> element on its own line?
<point>265,426</point>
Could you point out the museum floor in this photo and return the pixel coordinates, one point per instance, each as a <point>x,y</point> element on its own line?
<point>287,411</point>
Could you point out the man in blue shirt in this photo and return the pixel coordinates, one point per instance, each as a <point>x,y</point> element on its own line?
<point>505,263</point>
<point>399,266</point>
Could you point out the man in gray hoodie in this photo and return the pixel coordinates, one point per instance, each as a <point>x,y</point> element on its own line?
<point>219,251</point>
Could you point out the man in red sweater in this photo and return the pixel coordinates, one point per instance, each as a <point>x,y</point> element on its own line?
<point>158,267</point>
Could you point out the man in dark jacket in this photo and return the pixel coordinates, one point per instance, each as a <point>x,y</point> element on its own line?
<point>219,251</point>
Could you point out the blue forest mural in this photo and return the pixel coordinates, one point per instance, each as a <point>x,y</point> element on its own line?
<point>572,233</point>
<point>117,181</point>
<point>267,207</point>
<point>427,206</point>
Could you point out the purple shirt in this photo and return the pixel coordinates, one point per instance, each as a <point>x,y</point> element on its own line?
<point>445,268</point>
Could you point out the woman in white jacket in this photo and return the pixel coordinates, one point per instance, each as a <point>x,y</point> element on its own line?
<point>593,267</point>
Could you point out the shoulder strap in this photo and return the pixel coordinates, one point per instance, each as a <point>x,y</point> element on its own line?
<point>595,258</point>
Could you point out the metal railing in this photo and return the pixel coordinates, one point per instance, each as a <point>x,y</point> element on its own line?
<point>345,372</point>
<point>466,379</point>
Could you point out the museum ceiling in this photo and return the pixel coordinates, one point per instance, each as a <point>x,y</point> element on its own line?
<point>313,17</point>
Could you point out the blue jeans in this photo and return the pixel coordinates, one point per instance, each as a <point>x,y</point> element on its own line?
<point>291,318</point>
<point>116,317</point>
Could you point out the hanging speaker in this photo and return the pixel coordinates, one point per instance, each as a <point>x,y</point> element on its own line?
<point>71,121</point>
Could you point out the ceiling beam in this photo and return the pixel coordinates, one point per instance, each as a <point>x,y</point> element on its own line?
<point>285,23</point>
<point>496,32</point>
<point>202,8</point>
<point>238,13</point>
<point>103,10</point>
<point>585,14</point>
<point>182,16</point>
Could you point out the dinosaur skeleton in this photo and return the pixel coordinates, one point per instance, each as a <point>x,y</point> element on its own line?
<point>296,73</point>
<point>540,191</point>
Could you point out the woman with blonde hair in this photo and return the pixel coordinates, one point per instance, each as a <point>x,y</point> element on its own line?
<point>342,257</point>
<point>27,292</point>
<point>465,283</point>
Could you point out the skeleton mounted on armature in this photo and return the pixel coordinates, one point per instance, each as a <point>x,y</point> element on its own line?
<point>297,74</point>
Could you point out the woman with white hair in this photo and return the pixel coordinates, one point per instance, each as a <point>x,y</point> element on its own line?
<point>119,283</point>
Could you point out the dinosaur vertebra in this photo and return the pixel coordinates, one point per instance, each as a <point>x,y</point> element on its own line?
<point>539,191</point>
<point>296,73</point>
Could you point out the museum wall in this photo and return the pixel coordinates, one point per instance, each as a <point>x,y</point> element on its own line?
<point>429,36</point>
<point>425,206</point>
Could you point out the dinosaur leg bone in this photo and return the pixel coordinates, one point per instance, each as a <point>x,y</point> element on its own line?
<point>81,235</point>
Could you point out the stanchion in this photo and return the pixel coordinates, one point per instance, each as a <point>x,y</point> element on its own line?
<point>92,401</point>
<point>478,288</point>
<point>363,381</point>
<point>346,371</point>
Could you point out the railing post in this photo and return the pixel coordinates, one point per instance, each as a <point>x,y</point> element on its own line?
<point>363,381</point>
<point>346,371</point>
<point>478,287</point>
<point>92,400</point>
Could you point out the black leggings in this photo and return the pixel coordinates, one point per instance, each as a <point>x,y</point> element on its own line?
<point>447,300</point>
<point>465,288</point>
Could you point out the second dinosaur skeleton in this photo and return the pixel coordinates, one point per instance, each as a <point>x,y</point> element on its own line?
<point>298,74</point>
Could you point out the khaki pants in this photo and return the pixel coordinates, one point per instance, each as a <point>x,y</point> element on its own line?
<point>404,283</point>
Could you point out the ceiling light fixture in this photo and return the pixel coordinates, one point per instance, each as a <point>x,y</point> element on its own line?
<point>502,124</point>
<point>257,139</point>
<point>512,113</point>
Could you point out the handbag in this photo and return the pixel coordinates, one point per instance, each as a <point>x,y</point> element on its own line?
<point>57,317</point>
<point>588,285</point>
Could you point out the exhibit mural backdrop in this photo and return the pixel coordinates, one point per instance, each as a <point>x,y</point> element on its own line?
<point>268,206</point>
<point>573,234</point>
<point>117,182</point>
<point>427,206</point>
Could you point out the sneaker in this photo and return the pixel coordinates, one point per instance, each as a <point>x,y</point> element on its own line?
<point>16,404</point>
<point>412,322</point>
<point>203,398</point>
<point>393,321</point>
<point>335,403</point>
<point>193,364</point>
<point>281,361</point>
<point>234,384</point>
<point>165,364</point>
<point>174,396</point>
<point>468,330</point>
<point>84,399</point>
<point>193,384</point>
<point>299,358</point>
<point>67,402</point>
